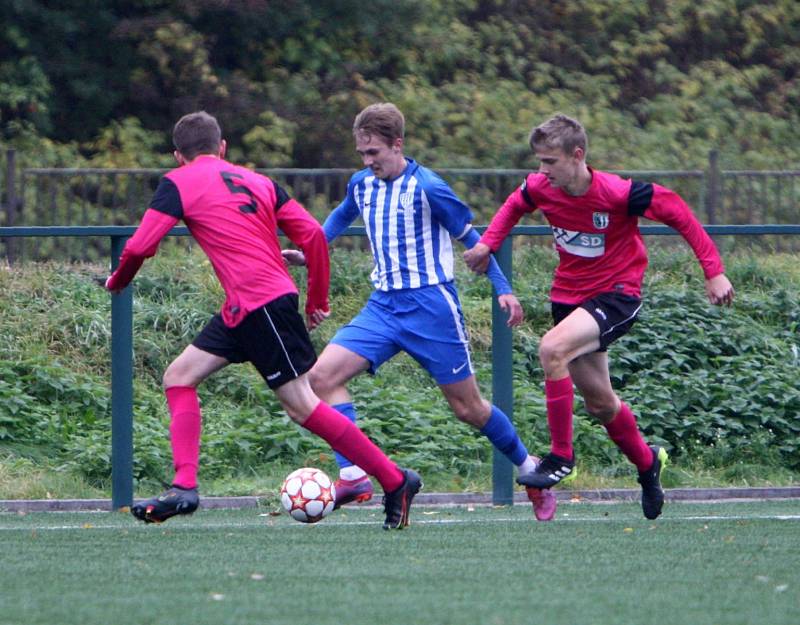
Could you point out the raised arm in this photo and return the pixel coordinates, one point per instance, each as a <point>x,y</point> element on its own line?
<point>507,216</point>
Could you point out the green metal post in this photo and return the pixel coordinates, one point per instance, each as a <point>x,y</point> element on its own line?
<point>121,389</point>
<point>502,384</point>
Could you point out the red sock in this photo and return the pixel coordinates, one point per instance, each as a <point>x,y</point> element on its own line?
<point>625,433</point>
<point>559,397</point>
<point>184,429</point>
<point>345,437</point>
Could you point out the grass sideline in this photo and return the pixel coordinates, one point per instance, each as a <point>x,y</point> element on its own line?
<point>699,564</point>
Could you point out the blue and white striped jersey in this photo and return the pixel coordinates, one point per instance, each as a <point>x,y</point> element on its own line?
<point>409,221</point>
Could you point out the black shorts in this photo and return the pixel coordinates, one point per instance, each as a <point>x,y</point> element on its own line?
<point>272,337</point>
<point>615,314</point>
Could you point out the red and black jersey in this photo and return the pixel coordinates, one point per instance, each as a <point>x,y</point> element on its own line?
<point>597,234</point>
<point>234,214</point>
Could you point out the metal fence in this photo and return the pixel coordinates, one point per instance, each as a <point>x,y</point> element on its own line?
<point>107,197</point>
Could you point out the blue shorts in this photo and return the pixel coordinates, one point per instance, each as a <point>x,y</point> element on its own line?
<point>426,323</point>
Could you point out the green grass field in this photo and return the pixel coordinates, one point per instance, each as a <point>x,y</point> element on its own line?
<point>598,564</point>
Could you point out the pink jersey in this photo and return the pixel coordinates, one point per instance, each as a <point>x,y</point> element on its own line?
<point>234,214</point>
<point>597,234</point>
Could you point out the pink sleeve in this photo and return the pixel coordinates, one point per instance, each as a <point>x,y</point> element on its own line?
<point>143,244</point>
<point>305,232</point>
<point>506,218</point>
<point>670,209</point>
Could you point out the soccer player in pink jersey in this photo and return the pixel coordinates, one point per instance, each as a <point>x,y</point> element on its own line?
<point>596,290</point>
<point>234,214</point>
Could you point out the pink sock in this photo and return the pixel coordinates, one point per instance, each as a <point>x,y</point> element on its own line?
<point>559,397</point>
<point>184,429</point>
<point>625,433</point>
<point>345,437</point>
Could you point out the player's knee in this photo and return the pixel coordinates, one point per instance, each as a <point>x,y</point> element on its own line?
<point>474,413</point>
<point>177,375</point>
<point>551,354</point>
<point>603,410</point>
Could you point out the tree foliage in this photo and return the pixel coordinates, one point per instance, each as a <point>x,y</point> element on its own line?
<point>657,83</point>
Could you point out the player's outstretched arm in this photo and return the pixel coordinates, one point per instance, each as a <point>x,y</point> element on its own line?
<point>719,290</point>
<point>143,244</point>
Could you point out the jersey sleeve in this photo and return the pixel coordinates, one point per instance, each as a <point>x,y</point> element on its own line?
<point>143,244</point>
<point>493,272</point>
<point>658,203</point>
<point>341,216</point>
<point>446,207</point>
<point>305,232</point>
<point>507,216</point>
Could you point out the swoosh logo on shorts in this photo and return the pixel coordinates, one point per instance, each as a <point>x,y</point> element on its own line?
<point>457,369</point>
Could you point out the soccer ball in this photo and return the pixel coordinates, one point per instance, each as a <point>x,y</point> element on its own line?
<point>308,495</point>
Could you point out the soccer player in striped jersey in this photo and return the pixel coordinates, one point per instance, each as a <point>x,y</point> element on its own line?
<point>410,215</point>
<point>596,291</point>
<point>234,214</point>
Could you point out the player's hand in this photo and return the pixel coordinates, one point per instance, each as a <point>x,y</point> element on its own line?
<point>510,304</point>
<point>316,317</point>
<point>477,258</point>
<point>719,290</point>
<point>293,258</point>
<point>113,291</point>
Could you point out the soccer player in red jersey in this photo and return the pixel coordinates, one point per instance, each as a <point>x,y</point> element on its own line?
<point>234,214</point>
<point>596,290</point>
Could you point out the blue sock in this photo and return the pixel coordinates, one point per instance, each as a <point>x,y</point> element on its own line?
<point>501,432</point>
<point>349,411</point>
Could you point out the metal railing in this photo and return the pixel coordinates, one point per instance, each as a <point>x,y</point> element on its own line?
<point>105,197</point>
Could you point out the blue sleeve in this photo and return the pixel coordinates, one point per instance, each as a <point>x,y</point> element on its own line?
<point>341,216</point>
<point>445,205</point>
<point>494,273</point>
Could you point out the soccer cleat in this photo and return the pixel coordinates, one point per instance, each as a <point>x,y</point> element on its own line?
<point>171,502</point>
<point>349,491</point>
<point>544,503</point>
<point>397,504</point>
<point>652,493</point>
<point>551,470</point>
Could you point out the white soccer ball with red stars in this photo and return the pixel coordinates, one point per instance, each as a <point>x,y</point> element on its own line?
<point>308,495</point>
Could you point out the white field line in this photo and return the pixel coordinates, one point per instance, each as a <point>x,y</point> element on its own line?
<point>415,521</point>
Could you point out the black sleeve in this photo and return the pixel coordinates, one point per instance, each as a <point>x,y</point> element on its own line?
<point>640,197</point>
<point>281,197</point>
<point>167,199</point>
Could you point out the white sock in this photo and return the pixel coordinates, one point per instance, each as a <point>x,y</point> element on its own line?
<point>351,473</point>
<point>528,466</point>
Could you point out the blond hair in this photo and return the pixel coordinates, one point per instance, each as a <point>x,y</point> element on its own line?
<point>560,132</point>
<point>383,119</point>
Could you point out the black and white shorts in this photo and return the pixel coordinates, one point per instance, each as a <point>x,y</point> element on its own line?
<point>615,313</point>
<point>273,337</point>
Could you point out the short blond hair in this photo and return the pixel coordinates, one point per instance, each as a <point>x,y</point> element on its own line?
<point>383,119</point>
<point>560,132</point>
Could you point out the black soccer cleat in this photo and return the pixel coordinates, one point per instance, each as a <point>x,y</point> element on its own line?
<point>397,504</point>
<point>551,470</point>
<point>652,493</point>
<point>168,504</point>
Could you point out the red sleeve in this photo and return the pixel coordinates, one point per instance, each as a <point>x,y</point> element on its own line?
<point>305,232</point>
<point>670,209</point>
<point>143,244</point>
<point>512,210</point>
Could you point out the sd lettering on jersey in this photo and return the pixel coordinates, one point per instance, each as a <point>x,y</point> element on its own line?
<point>585,244</point>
